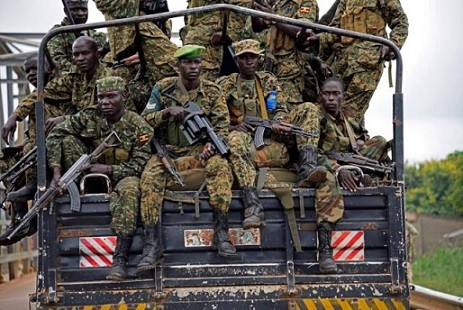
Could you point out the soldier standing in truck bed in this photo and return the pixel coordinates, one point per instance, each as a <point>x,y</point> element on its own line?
<point>60,46</point>
<point>359,62</point>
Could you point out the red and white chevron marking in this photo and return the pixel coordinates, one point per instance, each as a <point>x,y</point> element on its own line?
<point>348,245</point>
<point>96,251</point>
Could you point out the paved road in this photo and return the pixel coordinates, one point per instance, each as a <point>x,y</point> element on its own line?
<point>14,295</point>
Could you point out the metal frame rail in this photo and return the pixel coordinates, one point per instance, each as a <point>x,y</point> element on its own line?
<point>426,299</point>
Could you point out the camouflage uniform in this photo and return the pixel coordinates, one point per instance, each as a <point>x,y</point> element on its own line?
<point>218,174</point>
<point>200,27</point>
<point>358,62</point>
<point>157,47</point>
<point>73,87</point>
<point>334,137</point>
<point>242,100</point>
<point>60,46</point>
<point>288,59</point>
<point>83,132</point>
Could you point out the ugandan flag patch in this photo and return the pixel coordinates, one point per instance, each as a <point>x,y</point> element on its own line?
<point>143,138</point>
<point>304,10</point>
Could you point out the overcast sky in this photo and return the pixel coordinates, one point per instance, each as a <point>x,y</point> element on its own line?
<point>432,57</point>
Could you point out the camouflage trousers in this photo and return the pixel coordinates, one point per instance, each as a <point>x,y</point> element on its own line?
<point>329,203</point>
<point>155,179</point>
<point>359,89</point>
<point>245,157</point>
<point>375,148</point>
<point>124,200</point>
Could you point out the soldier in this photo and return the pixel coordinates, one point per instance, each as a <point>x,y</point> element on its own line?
<point>26,109</point>
<point>60,46</point>
<point>82,132</point>
<point>165,113</point>
<point>206,29</point>
<point>245,94</point>
<point>144,44</point>
<point>338,133</point>
<point>283,58</point>
<point>360,63</point>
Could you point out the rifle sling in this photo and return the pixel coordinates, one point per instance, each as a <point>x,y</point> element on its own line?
<point>260,96</point>
<point>350,133</point>
<point>286,200</point>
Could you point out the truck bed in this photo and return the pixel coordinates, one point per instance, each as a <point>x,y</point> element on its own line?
<point>267,271</point>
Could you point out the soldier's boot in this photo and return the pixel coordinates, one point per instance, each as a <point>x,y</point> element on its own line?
<point>118,270</point>
<point>152,249</point>
<point>309,174</point>
<point>325,252</point>
<point>254,216</point>
<point>23,194</point>
<point>221,241</point>
<point>19,210</point>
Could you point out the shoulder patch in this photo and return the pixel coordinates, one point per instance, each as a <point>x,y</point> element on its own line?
<point>304,10</point>
<point>143,138</point>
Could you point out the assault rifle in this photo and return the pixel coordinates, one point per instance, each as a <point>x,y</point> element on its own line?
<point>196,127</point>
<point>55,188</point>
<point>12,175</point>
<point>167,161</point>
<point>261,124</point>
<point>360,161</point>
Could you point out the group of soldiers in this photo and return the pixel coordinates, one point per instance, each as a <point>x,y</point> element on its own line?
<point>141,87</point>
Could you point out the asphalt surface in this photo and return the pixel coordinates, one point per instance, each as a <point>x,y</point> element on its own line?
<point>14,295</point>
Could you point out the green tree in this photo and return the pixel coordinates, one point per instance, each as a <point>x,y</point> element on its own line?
<point>436,186</point>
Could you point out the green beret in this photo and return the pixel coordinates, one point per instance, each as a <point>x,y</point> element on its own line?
<point>110,83</point>
<point>189,51</point>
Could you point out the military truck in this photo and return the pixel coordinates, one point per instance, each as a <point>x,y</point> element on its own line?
<point>75,248</point>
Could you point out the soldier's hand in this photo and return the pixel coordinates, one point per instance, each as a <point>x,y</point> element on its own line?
<point>387,54</point>
<point>243,127</point>
<point>326,70</point>
<point>9,128</point>
<point>98,168</point>
<point>178,113</point>
<point>263,6</point>
<point>57,175</point>
<point>208,151</point>
<point>348,180</point>
<point>52,122</point>
<point>279,129</point>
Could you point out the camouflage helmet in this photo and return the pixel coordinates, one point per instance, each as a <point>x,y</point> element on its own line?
<point>247,46</point>
<point>110,83</point>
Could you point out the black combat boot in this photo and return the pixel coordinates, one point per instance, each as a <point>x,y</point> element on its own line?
<point>325,252</point>
<point>23,194</point>
<point>19,210</point>
<point>254,211</point>
<point>152,249</point>
<point>120,257</point>
<point>309,174</point>
<point>221,240</point>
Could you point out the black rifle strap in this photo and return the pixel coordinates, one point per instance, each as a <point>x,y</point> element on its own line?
<point>141,53</point>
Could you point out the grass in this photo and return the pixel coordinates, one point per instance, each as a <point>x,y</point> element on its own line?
<point>441,271</point>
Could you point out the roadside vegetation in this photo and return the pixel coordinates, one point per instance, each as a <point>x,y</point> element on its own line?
<point>441,271</point>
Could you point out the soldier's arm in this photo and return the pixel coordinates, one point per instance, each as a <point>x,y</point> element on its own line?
<point>118,8</point>
<point>59,89</point>
<point>397,20</point>
<point>56,48</point>
<point>219,115</point>
<point>26,107</point>
<point>139,154</point>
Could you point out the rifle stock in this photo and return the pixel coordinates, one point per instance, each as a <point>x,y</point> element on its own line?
<point>360,161</point>
<point>55,188</point>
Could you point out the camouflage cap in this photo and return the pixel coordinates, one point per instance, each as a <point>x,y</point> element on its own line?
<point>247,46</point>
<point>110,83</point>
<point>189,51</point>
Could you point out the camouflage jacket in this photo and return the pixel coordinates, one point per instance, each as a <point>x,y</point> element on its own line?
<point>73,87</point>
<point>334,136</point>
<point>127,159</point>
<point>207,96</point>
<point>27,106</point>
<point>305,10</point>
<point>367,16</point>
<point>242,98</point>
<point>60,46</point>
